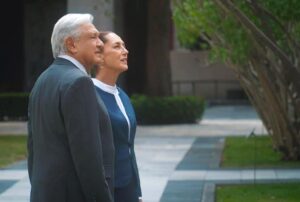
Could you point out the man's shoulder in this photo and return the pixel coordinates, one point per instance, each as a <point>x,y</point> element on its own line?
<point>63,75</point>
<point>66,70</point>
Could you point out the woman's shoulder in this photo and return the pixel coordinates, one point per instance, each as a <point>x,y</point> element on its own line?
<point>122,92</point>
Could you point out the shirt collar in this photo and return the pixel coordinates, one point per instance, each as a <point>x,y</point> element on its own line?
<point>75,62</point>
<point>105,87</point>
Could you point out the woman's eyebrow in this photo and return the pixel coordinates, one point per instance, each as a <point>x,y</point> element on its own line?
<point>119,43</point>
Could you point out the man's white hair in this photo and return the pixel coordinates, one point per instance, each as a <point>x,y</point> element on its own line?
<point>67,26</point>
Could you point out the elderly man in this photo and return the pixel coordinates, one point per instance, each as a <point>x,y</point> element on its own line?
<point>70,143</point>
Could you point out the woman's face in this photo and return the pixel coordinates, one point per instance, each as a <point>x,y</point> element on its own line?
<point>115,53</point>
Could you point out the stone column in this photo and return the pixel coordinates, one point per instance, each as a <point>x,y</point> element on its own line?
<point>102,10</point>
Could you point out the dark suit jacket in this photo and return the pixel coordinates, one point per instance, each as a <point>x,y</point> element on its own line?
<point>70,155</point>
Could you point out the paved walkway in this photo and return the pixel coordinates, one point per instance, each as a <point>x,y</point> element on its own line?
<point>177,162</point>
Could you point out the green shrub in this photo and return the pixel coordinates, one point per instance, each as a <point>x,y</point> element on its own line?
<point>149,110</point>
<point>167,110</point>
<point>13,106</point>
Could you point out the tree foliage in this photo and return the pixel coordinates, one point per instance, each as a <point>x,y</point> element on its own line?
<point>260,40</point>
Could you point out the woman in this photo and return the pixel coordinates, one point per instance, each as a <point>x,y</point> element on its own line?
<point>122,116</point>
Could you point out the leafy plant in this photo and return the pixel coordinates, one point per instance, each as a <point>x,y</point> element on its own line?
<point>167,110</point>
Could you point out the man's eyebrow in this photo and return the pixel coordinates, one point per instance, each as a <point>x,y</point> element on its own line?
<point>95,33</point>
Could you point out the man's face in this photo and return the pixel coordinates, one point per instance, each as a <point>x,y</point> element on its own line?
<point>88,46</point>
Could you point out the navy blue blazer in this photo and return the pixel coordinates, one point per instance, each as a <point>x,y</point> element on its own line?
<point>125,159</point>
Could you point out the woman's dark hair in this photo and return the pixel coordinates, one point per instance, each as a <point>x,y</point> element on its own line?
<point>102,36</point>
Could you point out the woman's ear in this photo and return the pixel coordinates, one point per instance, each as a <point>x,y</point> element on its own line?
<point>71,46</point>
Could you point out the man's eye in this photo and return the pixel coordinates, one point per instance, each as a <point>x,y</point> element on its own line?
<point>101,48</point>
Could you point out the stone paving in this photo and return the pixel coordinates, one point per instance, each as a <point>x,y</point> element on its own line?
<point>196,175</point>
<point>178,163</point>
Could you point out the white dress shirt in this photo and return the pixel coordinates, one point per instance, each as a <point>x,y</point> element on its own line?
<point>75,62</point>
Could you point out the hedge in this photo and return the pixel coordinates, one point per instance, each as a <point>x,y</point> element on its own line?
<point>13,106</point>
<point>167,110</point>
<point>149,110</point>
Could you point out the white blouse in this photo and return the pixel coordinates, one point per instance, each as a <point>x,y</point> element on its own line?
<point>113,90</point>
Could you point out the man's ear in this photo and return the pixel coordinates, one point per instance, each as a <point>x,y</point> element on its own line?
<point>71,46</point>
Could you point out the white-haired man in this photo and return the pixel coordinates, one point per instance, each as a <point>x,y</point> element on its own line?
<point>70,155</point>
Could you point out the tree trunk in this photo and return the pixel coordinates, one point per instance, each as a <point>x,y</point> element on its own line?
<point>158,48</point>
<point>271,79</point>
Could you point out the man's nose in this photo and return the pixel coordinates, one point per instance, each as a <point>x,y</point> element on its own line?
<point>100,42</point>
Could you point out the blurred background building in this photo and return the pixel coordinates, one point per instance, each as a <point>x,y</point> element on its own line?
<point>26,48</point>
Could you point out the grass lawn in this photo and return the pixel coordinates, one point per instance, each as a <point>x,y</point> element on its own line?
<point>12,149</point>
<point>246,152</point>
<point>242,152</point>
<point>259,193</point>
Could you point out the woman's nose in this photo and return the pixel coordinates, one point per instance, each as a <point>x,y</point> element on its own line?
<point>125,50</point>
